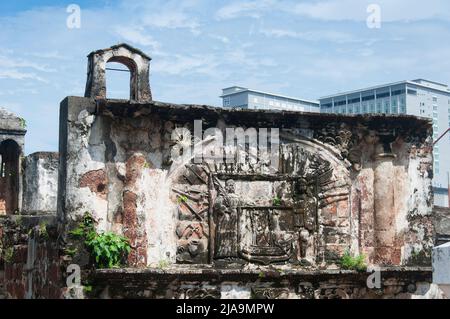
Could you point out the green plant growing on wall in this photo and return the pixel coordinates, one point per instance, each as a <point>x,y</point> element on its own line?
<point>23,123</point>
<point>107,248</point>
<point>43,230</point>
<point>85,229</point>
<point>87,289</point>
<point>353,262</point>
<point>182,199</point>
<point>9,254</point>
<point>276,201</point>
<point>19,218</point>
<point>163,264</point>
<point>70,251</point>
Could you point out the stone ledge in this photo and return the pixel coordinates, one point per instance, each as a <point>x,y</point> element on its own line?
<point>205,273</point>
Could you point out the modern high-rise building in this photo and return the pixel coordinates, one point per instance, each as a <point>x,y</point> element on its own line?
<point>241,97</point>
<point>418,97</point>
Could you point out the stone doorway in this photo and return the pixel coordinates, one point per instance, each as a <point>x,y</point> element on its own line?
<point>9,177</point>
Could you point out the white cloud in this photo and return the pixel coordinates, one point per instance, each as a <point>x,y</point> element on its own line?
<point>241,58</point>
<point>12,62</point>
<point>164,14</point>
<point>53,55</point>
<point>251,9</point>
<point>179,64</point>
<point>171,20</point>
<point>317,35</point>
<point>220,38</point>
<point>356,10</point>
<point>136,36</point>
<point>17,75</point>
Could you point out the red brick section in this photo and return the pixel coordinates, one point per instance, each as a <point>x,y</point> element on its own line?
<point>97,182</point>
<point>133,230</point>
<point>44,275</point>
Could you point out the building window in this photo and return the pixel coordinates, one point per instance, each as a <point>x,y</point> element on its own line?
<point>382,95</point>
<point>435,99</point>
<point>364,108</point>
<point>398,92</point>
<point>379,107</point>
<point>412,92</point>
<point>226,101</point>
<point>386,107</point>
<point>350,109</point>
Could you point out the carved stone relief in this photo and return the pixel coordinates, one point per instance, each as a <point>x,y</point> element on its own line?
<point>236,215</point>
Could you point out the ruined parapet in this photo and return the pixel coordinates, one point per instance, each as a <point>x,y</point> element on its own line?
<point>330,185</point>
<point>323,199</point>
<point>137,62</point>
<point>40,183</point>
<point>12,135</point>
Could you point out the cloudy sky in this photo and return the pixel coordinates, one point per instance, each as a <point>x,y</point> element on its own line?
<point>299,48</point>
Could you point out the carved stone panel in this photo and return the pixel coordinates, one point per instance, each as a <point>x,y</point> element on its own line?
<point>237,215</point>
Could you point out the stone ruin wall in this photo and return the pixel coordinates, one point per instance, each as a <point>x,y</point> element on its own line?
<point>355,183</point>
<point>358,183</point>
<point>30,264</point>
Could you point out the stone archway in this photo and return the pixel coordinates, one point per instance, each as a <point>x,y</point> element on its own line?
<point>137,63</point>
<point>9,177</point>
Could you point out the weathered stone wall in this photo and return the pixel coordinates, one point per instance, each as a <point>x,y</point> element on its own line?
<point>189,283</point>
<point>441,218</point>
<point>31,261</point>
<point>40,183</point>
<point>361,183</point>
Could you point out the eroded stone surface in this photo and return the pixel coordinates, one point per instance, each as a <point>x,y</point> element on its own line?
<point>355,183</point>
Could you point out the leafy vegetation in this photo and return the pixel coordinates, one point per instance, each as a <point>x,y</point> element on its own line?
<point>71,251</point>
<point>107,248</point>
<point>353,262</point>
<point>163,264</point>
<point>8,254</point>
<point>182,199</point>
<point>276,201</point>
<point>23,123</point>
<point>43,230</point>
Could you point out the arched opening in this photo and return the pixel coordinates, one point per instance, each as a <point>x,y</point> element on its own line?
<point>120,78</point>
<point>9,177</point>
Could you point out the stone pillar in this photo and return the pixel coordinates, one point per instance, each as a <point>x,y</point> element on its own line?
<point>40,183</point>
<point>384,208</point>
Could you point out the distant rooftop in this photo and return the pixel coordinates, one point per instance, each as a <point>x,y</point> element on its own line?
<point>239,89</point>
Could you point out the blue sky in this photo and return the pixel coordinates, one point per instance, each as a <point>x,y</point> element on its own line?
<point>298,48</point>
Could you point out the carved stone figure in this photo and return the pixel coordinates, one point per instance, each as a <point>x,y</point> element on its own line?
<point>226,212</point>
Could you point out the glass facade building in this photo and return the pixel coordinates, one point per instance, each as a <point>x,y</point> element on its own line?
<point>417,97</point>
<point>241,97</point>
